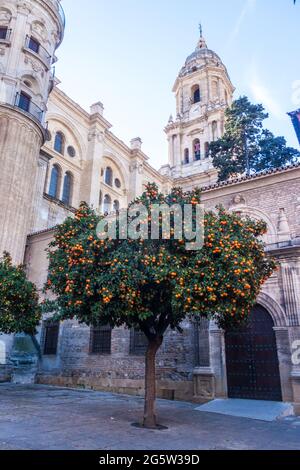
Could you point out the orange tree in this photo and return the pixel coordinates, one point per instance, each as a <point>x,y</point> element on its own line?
<point>153,285</point>
<point>20,311</point>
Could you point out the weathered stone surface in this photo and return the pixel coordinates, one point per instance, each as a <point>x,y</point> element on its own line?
<point>53,418</point>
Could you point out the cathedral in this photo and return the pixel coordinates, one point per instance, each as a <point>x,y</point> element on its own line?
<point>54,154</point>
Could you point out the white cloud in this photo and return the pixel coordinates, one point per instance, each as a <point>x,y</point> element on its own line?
<point>248,7</point>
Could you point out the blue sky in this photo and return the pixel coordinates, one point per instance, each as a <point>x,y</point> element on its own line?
<point>127,54</point>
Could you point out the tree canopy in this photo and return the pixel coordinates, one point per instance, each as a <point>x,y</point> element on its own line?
<point>20,311</point>
<point>246,146</point>
<point>154,285</point>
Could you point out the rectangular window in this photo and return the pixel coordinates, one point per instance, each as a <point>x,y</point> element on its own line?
<point>24,102</point>
<point>51,332</point>
<point>3,32</point>
<point>138,343</point>
<point>34,45</point>
<point>100,341</point>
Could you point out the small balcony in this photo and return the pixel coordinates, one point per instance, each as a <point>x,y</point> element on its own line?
<point>25,103</point>
<point>5,34</point>
<point>36,48</point>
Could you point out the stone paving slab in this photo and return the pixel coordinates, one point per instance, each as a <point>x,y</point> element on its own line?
<point>48,418</point>
<point>252,409</point>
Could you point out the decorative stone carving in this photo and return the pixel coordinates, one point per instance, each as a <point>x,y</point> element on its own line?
<point>23,7</point>
<point>238,200</point>
<point>5,16</point>
<point>96,136</point>
<point>139,167</point>
<point>39,30</point>
<point>36,67</point>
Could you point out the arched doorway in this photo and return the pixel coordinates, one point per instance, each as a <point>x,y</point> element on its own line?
<point>252,360</point>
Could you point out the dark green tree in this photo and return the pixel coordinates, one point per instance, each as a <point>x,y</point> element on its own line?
<point>245,146</point>
<point>20,311</point>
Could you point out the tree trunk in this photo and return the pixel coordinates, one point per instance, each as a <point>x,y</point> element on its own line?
<point>150,383</point>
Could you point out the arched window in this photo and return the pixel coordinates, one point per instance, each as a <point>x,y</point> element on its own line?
<point>186,156</point>
<point>197,150</point>
<point>206,147</point>
<point>109,176</point>
<point>214,127</point>
<point>116,206</point>
<point>67,189</point>
<point>55,182</point>
<point>59,143</point>
<point>107,204</point>
<point>196,98</point>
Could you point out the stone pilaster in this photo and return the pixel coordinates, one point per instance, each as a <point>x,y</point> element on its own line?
<point>290,274</point>
<point>91,178</point>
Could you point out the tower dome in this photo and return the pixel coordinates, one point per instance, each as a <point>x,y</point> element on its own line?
<point>201,57</point>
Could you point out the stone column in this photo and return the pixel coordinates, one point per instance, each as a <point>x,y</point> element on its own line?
<point>203,376</point>
<point>40,188</point>
<point>218,360</point>
<point>20,143</point>
<point>290,274</point>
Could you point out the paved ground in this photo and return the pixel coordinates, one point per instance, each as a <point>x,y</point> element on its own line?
<point>42,418</point>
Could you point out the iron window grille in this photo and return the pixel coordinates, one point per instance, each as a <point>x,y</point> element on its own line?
<point>51,333</point>
<point>138,343</point>
<point>100,340</point>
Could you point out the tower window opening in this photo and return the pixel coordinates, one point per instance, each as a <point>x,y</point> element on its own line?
<point>206,146</point>
<point>214,130</point>
<point>186,156</point>
<point>196,97</point>
<point>226,97</point>
<point>33,45</point>
<point>215,89</point>
<point>197,150</point>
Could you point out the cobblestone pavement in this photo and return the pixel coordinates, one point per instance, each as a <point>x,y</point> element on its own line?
<point>42,418</point>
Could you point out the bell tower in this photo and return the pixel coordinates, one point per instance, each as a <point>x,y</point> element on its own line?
<point>30,33</point>
<point>203,91</point>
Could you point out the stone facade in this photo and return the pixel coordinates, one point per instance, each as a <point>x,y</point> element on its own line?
<point>78,157</point>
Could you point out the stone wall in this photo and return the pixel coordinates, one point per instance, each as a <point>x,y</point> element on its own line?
<point>120,371</point>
